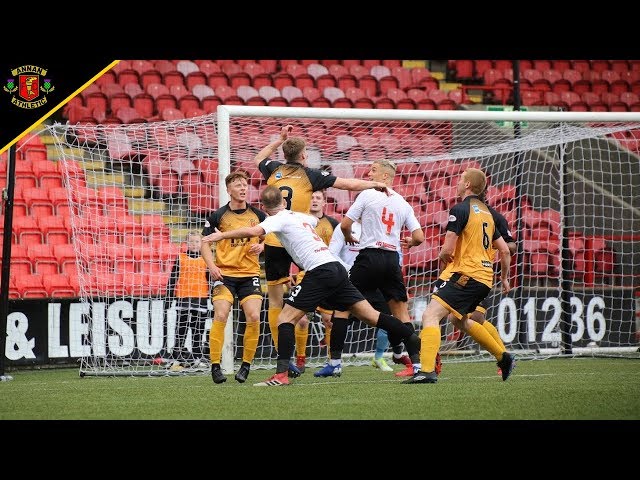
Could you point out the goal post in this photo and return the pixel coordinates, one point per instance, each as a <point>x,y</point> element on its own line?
<point>565,181</point>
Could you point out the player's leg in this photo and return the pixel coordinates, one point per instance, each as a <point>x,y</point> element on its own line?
<point>302,335</point>
<point>222,300</point>
<point>277,265</point>
<point>363,310</point>
<point>328,325</point>
<point>479,316</point>
<point>333,368</point>
<point>430,342</point>
<point>289,316</point>
<point>382,343</point>
<point>251,306</point>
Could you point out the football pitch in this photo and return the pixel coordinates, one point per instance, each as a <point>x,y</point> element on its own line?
<point>554,389</point>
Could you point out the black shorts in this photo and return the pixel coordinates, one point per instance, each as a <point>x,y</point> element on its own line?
<point>326,286</point>
<point>277,264</point>
<point>377,301</point>
<point>482,307</point>
<point>242,287</point>
<point>460,294</point>
<point>377,269</point>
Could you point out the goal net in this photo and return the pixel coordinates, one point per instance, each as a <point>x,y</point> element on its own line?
<point>566,183</point>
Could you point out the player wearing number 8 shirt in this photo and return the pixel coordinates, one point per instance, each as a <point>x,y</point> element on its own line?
<point>236,273</point>
<point>296,182</point>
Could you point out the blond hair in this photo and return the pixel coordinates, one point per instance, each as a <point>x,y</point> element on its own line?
<point>292,148</point>
<point>271,197</point>
<point>477,179</point>
<point>388,165</point>
<point>193,233</point>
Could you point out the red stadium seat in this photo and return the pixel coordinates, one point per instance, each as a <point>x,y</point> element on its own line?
<point>30,286</point>
<point>144,105</point>
<point>20,262</point>
<point>58,286</point>
<point>54,229</point>
<point>27,230</point>
<point>43,260</point>
<point>66,256</point>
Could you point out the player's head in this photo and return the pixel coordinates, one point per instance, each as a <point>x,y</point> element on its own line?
<point>271,198</point>
<point>472,182</point>
<point>318,201</point>
<point>237,185</point>
<point>193,239</point>
<point>295,150</point>
<point>382,171</point>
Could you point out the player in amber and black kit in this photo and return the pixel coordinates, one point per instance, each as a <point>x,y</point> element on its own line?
<point>470,244</point>
<point>480,313</point>
<point>296,182</point>
<point>236,273</point>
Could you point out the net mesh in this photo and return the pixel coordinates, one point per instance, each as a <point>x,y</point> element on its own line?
<point>569,192</point>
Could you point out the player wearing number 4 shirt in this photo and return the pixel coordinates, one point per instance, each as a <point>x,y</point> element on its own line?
<point>326,282</point>
<point>296,182</point>
<point>377,267</point>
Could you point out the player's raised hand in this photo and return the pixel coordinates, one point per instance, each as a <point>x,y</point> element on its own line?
<point>285,131</point>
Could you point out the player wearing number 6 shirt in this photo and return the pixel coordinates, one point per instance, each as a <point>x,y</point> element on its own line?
<point>479,314</point>
<point>469,244</point>
<point>377,266</point>
<point>236,272</point>
<point>326,282</point>
<point>297,182</point>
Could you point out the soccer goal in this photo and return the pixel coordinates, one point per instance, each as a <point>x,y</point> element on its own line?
<point>567,182</point>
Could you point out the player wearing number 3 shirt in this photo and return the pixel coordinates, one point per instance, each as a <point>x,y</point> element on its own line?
<point>296,183</point>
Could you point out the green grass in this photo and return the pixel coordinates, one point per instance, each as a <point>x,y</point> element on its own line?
<point>558,389</point>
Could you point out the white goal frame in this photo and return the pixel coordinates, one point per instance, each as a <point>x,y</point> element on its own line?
<point>225,114</point>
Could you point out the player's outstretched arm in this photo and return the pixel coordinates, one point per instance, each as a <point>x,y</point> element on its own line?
<point>244,232</point>
<point>357,185</point>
